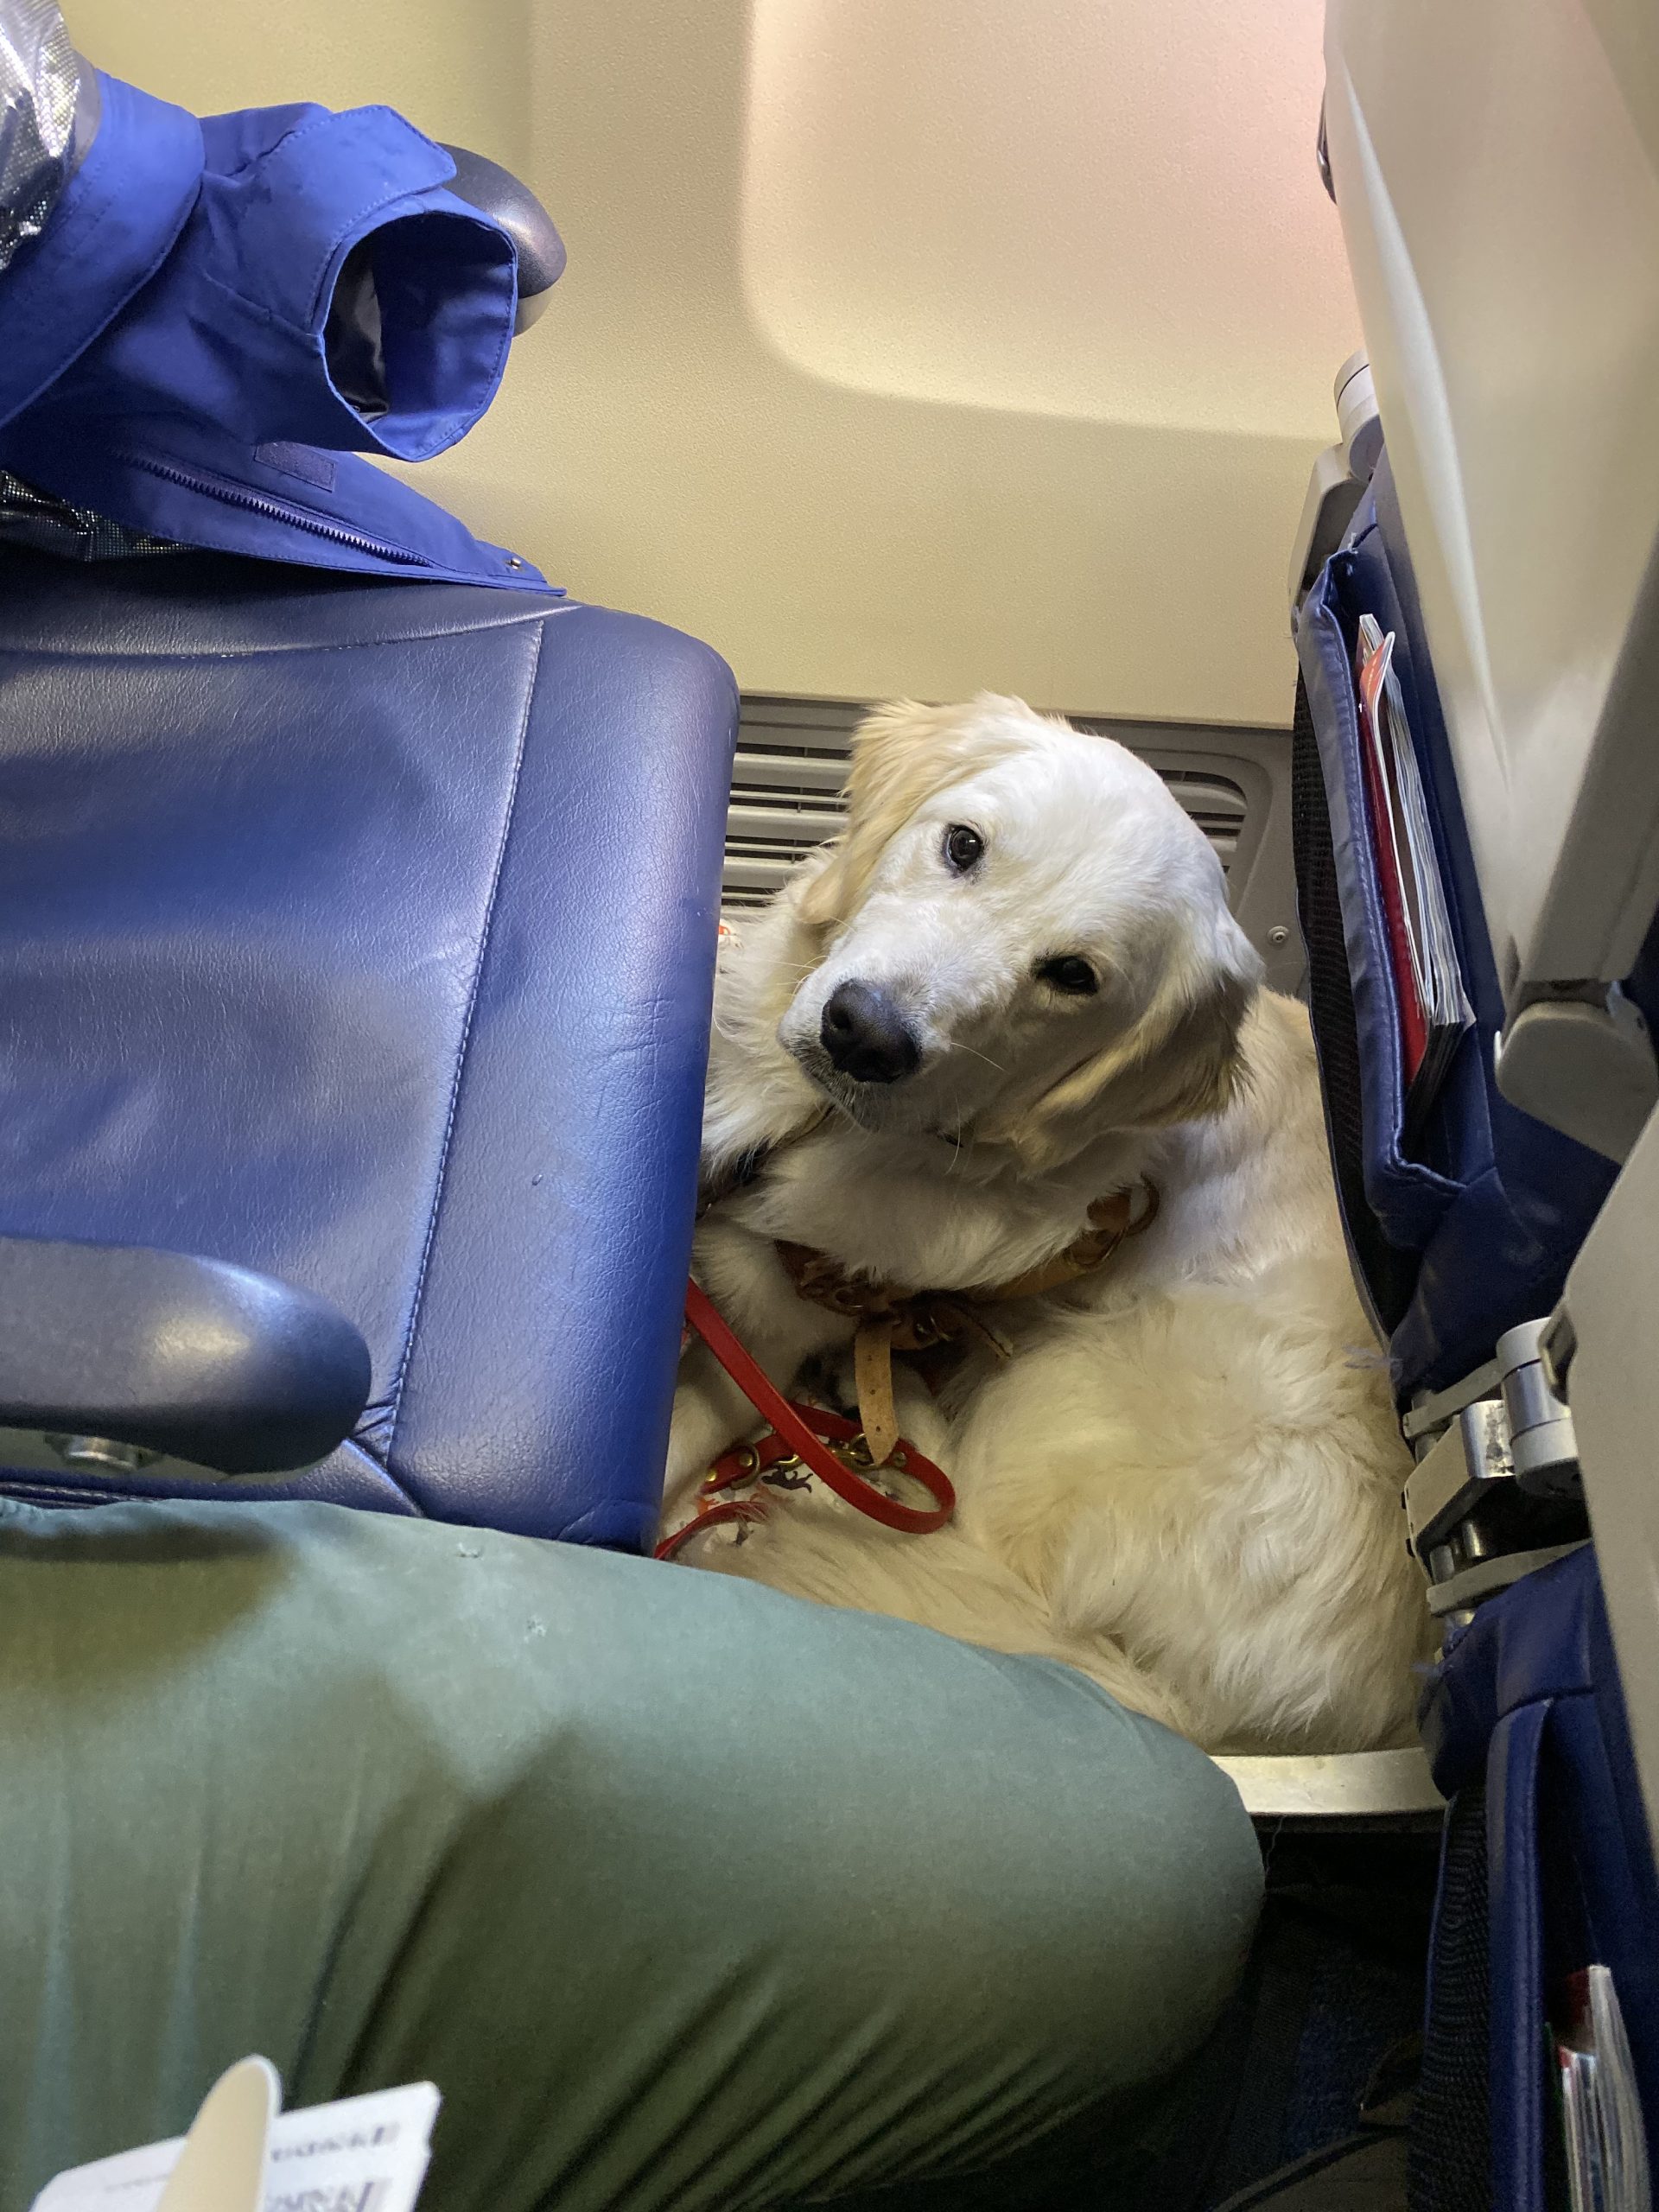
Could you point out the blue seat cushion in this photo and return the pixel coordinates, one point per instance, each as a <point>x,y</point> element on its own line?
<point>363,933</point>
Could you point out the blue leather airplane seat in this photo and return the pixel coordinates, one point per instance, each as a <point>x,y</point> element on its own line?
<point>362,933</point>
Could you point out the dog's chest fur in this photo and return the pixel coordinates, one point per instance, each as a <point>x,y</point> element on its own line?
<point>915,1213</point>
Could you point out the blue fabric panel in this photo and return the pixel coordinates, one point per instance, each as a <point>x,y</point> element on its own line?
<point>1528,1694</point>
<point>1406,1197</point>
<point>1519,2084</point>
<point>192,482</point>
<point>1493,1204</point>
<point>1529,1195</point>
<point>366,936</point>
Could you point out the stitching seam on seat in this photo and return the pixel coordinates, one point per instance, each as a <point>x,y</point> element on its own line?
<point>63,651</point>
<point>372,1467</point>
<point>396,1395</point>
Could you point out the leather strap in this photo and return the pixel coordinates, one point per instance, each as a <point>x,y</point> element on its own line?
<point>1111,1220</point>
<point>709,1515</point>
<point>800,1433</point>
<point>873,1379</point>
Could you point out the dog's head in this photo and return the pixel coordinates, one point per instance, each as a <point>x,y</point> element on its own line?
<point>1025,938</point>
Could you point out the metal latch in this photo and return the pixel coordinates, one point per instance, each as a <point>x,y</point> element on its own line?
<point>1495,1491</point>
<point>1447,1483</point>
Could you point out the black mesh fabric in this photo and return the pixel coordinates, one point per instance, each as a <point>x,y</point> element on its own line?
<point>1449,2162</point>
<point>1390,1273</point>
<point>32,517</point>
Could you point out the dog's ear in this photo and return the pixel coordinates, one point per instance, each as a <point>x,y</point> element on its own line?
<point>902,754</point>
<point>1178,1062</point>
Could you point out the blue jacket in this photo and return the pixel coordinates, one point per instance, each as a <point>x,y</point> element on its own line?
<point>317,294</point>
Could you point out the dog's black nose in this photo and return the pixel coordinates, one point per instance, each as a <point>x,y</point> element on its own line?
<point>865,1035</point>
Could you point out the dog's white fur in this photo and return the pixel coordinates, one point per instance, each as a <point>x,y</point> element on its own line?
<point>1186,1481</point>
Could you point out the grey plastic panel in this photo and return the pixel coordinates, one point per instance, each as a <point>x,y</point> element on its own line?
<point>1612,1390</point>
<point>1497,173</point>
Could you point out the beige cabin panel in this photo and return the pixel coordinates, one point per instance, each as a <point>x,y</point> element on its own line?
<point>881,377</point>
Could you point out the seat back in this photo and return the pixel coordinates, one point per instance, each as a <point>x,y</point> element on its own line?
<point>362,933</point>
<point>1472,1231</point>
<point>1549,1854</point>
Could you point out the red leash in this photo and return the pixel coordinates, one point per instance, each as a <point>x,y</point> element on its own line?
<point>799,1435</point>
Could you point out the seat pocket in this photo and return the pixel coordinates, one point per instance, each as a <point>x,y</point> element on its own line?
<point>1391,1201</point>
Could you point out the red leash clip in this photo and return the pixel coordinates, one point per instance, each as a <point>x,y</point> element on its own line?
<point>799,1435</point>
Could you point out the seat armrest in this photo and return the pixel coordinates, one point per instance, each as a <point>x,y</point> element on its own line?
<point>190,1357</point>
<point>496,191</point>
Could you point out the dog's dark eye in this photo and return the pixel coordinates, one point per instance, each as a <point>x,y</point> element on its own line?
<point>1070,973</point>
<point>962,847</point>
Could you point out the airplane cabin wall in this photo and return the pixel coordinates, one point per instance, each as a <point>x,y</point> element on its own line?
<point>905,346</point>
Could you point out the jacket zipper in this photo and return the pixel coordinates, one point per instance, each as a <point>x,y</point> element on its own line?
<point>274,511</point>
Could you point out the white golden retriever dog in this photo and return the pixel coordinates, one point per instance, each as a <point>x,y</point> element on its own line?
<point>1015,986</point>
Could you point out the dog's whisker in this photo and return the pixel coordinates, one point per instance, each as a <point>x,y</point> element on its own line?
<point>960,1047</point>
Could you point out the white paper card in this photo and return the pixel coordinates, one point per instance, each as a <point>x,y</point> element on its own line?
<point>363,2154</point>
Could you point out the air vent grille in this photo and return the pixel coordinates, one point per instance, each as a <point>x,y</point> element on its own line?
<point>791,766</point>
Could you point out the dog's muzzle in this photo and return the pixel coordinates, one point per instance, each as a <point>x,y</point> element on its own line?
<point>866,1036</point>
